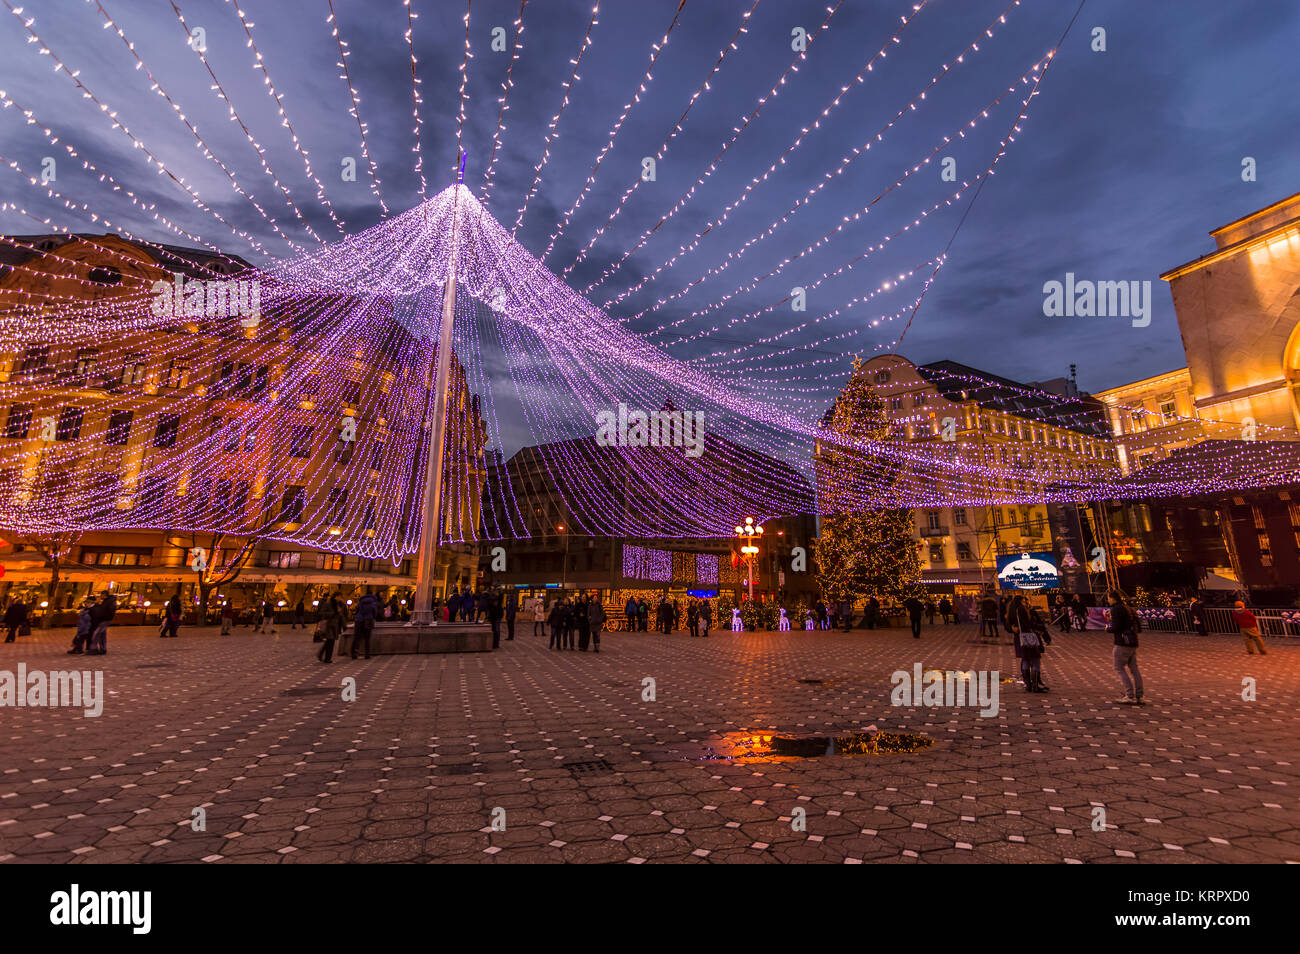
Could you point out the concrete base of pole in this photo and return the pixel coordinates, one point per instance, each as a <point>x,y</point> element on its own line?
<point>393,638</point>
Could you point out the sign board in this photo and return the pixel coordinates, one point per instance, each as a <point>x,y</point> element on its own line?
<point>702,594</point>
<point>1028,571</point>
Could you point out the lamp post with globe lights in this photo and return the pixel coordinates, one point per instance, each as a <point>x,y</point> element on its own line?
<point>747,534</point>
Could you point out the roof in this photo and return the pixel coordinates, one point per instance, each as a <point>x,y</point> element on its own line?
<point>959,382</point>
<point>18,250</point>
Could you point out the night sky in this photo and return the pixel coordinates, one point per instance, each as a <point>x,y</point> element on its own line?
<point>1126,160</point>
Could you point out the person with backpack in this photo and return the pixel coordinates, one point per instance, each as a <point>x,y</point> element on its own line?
<point>1249,627</point>
<point>1124,624</point>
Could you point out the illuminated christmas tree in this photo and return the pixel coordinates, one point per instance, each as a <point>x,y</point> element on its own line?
<point>861,551</point>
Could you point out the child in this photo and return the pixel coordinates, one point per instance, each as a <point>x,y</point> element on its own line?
<point>1249,627</point>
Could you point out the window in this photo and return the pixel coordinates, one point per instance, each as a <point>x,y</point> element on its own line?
<point>1258,515</point>
<point>105,275</point>
<point>338,500</point>
<point>1168,411</point>
<point>36,358</point>
<point>164,434</point>
<point>119,427</point>
<point>300,441</point>
<point>933,517</point>
<point>1265,551</point>
<point>259,385</point>
<point>291,504</point>
<point>896,404</point>
<point>283,559</point>
<point>920,400</point>
<point>882,377</point>
<point>177,376</point>
<point>329,561</point>
<point>963,551</point>
<point>136,556</point>
<point>85,362</point>
<point>134,368</point>
<point>69,428</point>
<point>959,516</point>
<point>352,393</point>
<point>18,421</point>
<point>936,553</point>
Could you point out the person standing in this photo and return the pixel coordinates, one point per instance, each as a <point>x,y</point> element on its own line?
<point>14,619</point>
<point>331,610</point>
<point>512,610</point>
<point>914,610</point>
<point>581,624</point>
<point>363,622</point>
<point>929,611</point>
<point>595,622</point>
<point>706,617</point>
<point>493,610</point>
<point>268,617</point>
<point>643,614</point>
<point>988,616</point>
<point>1079,612</point>
<point>228,617</point>
<point>300,616</point>
<point>846,612</point>
<point>873,612</point>
<point>1124,624</point>
<point>556,621</point>
<point>693,618</point>
<point>85,626</point>
<point>1249,627</point>
<point>171,617</point>
<point>631,611</point>
<point>1197,609</point>
<point>101,616</point>
<point>945,609</point>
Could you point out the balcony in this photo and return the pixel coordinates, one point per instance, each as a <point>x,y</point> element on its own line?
<point>933,532</point>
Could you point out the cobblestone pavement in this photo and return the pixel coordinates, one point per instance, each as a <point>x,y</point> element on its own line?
<point>255,731</point>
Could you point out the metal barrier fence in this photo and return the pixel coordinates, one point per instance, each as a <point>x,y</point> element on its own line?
<point>1273,621</point>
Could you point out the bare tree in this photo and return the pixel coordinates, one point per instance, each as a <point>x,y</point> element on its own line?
<point>53,547</point>
<point>202,550</point>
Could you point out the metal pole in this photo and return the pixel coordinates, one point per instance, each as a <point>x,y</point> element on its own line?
<point>432,527</point>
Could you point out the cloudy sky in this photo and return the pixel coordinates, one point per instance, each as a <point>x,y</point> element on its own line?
<point>1125,160</point>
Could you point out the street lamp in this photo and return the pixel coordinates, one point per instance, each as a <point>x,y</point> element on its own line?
<point>747,534</point>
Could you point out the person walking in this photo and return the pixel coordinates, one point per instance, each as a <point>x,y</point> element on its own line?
<point>988,617</point>
<point>363,622</point>
<point>85,626</point>
<point>929,611</point>
<point>268,617</point>
<point>1079,612</point>
<point>706,617</point>
<point>14,619</point>
<point>1124,624</point>
<point>300,615</point>
<point>914,610</point>
<point>1027,638</point>
<point>512,610</point>
<point>570,627</point>
<point>819,613</point>
<point>596,617</point>
<point>331,610</point>
<point>1249,627</point>
<point>171,617</point>
<point>945,609</point>
<point>101,616</point>
<point>228,617</point>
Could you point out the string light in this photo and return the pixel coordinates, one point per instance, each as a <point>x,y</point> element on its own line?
<point>355,111</point>
<point>506,86</point>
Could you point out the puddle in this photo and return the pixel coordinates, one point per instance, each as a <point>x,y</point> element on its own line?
<point>733,746</point>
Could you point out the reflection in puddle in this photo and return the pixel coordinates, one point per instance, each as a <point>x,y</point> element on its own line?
<point>770,745</point>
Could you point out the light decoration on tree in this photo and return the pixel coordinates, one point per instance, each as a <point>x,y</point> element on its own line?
<point>753,114</point>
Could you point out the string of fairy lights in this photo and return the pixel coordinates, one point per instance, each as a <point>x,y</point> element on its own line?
<point>152,386</point>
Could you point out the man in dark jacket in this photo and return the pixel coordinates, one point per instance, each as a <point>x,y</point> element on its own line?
<point>873,612</point>
<point>1124,624</point>
<point>631,611</point>
<point>914,609</point>
<point>15,618</point>
<point>945,609</point>
<point>491,607</point>
<point>595,622</point>
<point>331,614</point>
<point>512,610</point>
<point>363,623</point>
